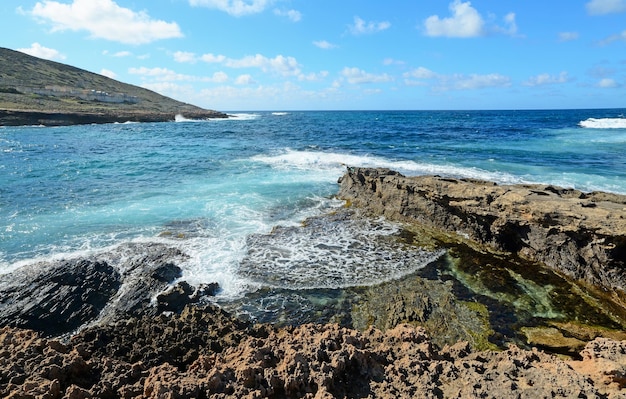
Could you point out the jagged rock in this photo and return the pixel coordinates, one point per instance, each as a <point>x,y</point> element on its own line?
<point>59,297</point>
<point>321,361</point>
<point>580,234</point>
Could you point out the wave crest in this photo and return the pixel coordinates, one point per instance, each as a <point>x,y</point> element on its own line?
<point>603,123</point>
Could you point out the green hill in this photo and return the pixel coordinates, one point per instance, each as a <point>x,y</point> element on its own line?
<point>34,91</point>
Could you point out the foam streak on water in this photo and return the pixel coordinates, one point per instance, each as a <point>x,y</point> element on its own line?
<point>219,190</point>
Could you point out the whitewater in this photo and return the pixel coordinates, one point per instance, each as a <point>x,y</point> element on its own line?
<point>240,196</point>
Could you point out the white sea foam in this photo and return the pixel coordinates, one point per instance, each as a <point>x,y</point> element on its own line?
<point>241,117</point>
<point>331,252</point>
<point>181,118</point>
<point>604,123</point>
<point>337,163</point>
<point>280,113</point>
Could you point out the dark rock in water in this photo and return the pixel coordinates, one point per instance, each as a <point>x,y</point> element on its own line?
<point>59,298</point>
<point>175,298</point>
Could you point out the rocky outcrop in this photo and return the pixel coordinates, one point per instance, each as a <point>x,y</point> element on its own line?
<point>58,297</point>
<point>309,361</point>
<point>582,235</point>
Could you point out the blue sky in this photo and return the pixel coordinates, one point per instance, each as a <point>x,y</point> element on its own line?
<point>319,54</point>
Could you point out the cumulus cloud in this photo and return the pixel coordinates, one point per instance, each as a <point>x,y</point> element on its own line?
<point>608,83</point>
<point>313,77</point>
<point>464,22</point>
<point>235,8</point>
<point>37,50</point>
<point>167,75</point>
<point>285,66</point>
<point>323,44</point>
<point>212,58</point>
<point>361,27</point>
<point>185,57</point>
<point>293,15</point>
<point>359,76</point>
<point>420,73</point>
<point>602,7</point>
<point>476,81</point>
<point>104,19</point>
<point>547,79</point>
<point>245,79</point>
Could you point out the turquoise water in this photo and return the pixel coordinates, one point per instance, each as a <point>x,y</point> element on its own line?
<point>211,187</point>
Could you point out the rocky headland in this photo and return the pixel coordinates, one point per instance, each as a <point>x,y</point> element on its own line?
<point>122,323</point>
<point>34,91</point>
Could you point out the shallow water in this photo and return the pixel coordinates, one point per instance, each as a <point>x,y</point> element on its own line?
<point>216,189</point>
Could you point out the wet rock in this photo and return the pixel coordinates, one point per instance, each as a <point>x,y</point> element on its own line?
<point>57,298</point>
<point>580,234</point>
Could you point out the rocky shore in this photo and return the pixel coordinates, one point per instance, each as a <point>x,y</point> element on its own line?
<point>582,235</point>
<point>122,324</point>
<point>67,118</point>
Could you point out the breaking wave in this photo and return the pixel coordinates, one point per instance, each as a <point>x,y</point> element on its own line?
<point>603,123</point>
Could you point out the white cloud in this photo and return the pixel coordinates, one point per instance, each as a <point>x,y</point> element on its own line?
<point>568,36</point>
<point>420,73</point>
<point>285,66</point>
<point>547,79</point>
<point>608,83</point>
<point>323,44</point>
<point>212,58</point>
<point>37,50</point>
<point>122,54</point>
<point>510,24</point>
<point>313,77</point>
<point>108,73</point>
<point>362,27</point>
<point>104,19</point>
<point>167,75</point>
<point>439,82</point>
<point>235,8</point>
<point>601,7</point>
<point>245,79</point>
<point>359,76</point>
<point>465,22</point>
<point>475,81</point>
<point>185,57</point>
<point>219,77</point>
<point>293,15</point>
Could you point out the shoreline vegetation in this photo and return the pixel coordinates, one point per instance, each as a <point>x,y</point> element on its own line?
<point>134,329</point>
<point>36,92</point>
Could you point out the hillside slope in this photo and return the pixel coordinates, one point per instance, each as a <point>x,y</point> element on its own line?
<point>34,91</point>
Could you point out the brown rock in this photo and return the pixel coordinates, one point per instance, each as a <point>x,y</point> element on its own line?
<point>580,234</point>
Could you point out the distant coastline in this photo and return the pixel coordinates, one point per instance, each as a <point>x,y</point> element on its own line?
<point>34,91</point>
<point>66,118</point>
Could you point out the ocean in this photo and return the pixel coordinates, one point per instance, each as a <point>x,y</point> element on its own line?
<point>217,188</point>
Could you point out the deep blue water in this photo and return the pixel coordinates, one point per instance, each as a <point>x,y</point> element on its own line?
<point>208,186</point>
